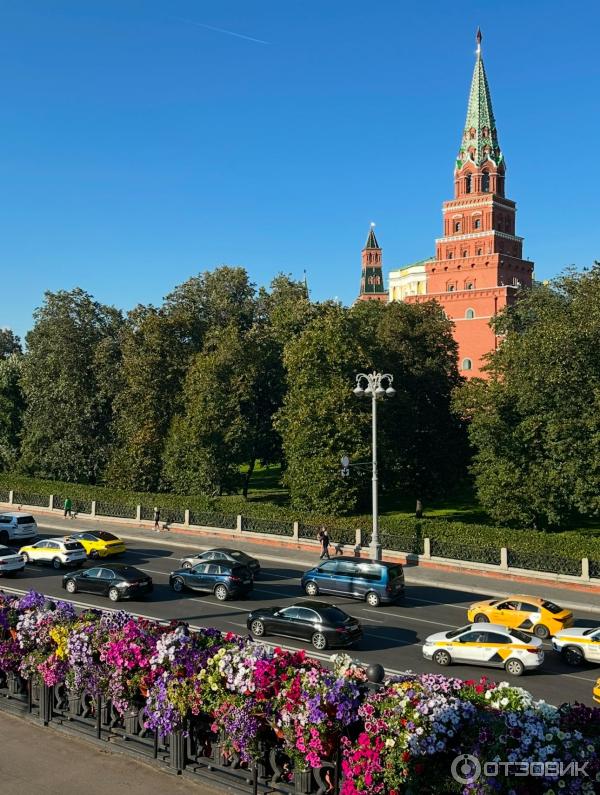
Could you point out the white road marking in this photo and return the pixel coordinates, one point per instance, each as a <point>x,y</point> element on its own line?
<point>413,618</point>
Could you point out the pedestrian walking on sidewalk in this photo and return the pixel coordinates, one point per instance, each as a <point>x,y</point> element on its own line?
<point>157,519</point>
<point>324,539</point>
<point>68,506</point>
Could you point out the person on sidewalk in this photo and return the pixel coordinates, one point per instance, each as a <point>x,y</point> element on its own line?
<point>157,519</point>
<point>324,538</point>
<point>68,506</point>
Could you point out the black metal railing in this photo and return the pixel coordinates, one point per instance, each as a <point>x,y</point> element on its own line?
<point>540,561</point>
<point>112,509</point>
<point>595,568</point>
<point>4,495</point>
<point>30,498</point>
<point>468,552</point>
<point>218,520</point>
<point>399,542</point>
<point>273,526</point>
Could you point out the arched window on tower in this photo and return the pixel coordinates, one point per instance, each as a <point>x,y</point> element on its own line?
<point>485,182</point>
<point>477,223</point>
<point>470,314</point>
<point>457,226</point>
<point>468,183</point>
<point>467,364</point>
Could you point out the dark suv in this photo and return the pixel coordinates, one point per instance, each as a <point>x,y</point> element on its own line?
<point>372,580</point>
<point>225,579</point>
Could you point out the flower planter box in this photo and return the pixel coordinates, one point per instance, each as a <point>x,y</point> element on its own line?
<point>14,684</point>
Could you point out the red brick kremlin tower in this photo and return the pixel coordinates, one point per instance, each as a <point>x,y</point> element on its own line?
<point>478,266</point>
<point>371,281</point>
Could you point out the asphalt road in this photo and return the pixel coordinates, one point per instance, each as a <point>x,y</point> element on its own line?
<point>392,634</point>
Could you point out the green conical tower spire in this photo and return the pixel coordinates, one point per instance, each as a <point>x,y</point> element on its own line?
<point>371,239</point>
<point>480,140</point>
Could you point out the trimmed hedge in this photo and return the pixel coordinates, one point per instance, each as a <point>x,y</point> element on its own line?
<point>397,531</point>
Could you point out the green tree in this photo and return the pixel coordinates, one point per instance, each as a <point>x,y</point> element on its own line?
<point>9,343</point>
<point>421,443</point>
<point>67,420</point>
<point>214,434</point>
<point>321,420</point>
<point>154,359</point>
<point>535,423</point>
<point>12,405</point>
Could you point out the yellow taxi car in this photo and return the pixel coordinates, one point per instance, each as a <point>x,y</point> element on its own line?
<point>99,543</point>
<point>529,613</point>
<point>596,691</point>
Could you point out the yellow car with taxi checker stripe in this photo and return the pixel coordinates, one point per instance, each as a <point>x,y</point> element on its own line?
<point>578,644</point>
<point>596,691</point>
<point>99,543</point>
<point>490,645</point>
<point>529,613</point>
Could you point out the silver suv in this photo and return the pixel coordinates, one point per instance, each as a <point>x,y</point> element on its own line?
<point>17,527</point>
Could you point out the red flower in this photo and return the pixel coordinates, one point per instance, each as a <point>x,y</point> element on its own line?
<point>405,756</point>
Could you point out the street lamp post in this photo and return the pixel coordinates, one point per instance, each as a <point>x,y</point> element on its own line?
<point>371,385</point>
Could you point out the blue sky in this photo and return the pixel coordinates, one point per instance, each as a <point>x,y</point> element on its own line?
<point>140,146</point>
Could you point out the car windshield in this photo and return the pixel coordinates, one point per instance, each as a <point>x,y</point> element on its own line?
<point>454,632</point>
<point>73,545</point>
<point>518,635</point>
<point>551,607</point>
<point>25,520</point>
<point>104,536</point>
<point>334,615</point>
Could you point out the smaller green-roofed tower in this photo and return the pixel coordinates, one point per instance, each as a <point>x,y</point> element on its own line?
<point>371,283</point>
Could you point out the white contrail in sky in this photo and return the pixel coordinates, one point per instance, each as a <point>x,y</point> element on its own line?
<point>220,30</point>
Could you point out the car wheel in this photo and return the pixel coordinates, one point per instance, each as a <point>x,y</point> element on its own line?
<point>319,641</point>
<point>113,595</point>
<point>573,656</point>
<point>56,563</point>
<point>221,593</point>
<point>257,628</point>
<point>542,632</point>
<point>373,599</point>
<point>311,588</point>
<point>94,554</point>
<point>514,667</point>
<point>71,586</point>
<point>186,565</point>
<point>26,557</point>
<point>178,585</point>
<point>441,657</point>
<point>481,618</point>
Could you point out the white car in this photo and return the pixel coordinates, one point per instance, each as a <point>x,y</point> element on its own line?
<point>17,527</point>
<point>578,644</point>
<point>57,552</point>
<point>486,644</point>
<point>10,561</point>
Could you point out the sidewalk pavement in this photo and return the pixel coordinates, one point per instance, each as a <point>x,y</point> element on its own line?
<point>570,596</point>
<point>40,761</point>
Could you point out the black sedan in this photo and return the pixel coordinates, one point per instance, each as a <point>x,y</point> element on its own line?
<point>115,580</point>
<point>222,554</point>
<point>324,625</point>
